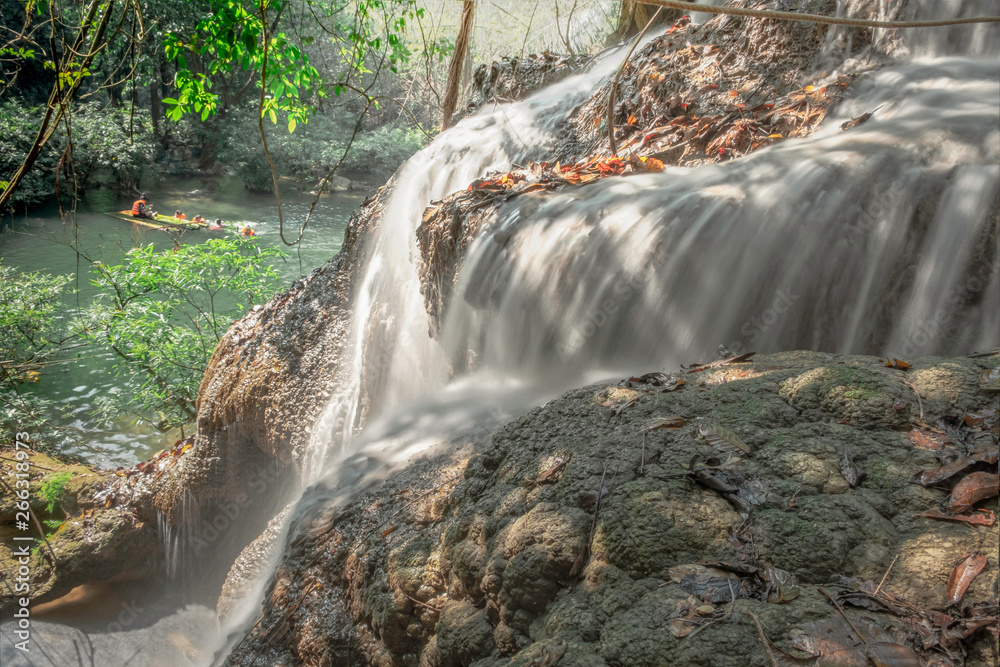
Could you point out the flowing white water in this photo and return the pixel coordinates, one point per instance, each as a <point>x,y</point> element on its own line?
<point>881,239</point>
<point>874,240</point>
<point>390,353</point>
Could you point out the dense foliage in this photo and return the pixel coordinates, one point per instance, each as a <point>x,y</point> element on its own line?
<point>162,314</point>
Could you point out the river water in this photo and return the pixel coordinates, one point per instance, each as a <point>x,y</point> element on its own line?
<point>40,241</point>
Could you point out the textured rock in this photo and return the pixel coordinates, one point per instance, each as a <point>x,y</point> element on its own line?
<point>492,579</point>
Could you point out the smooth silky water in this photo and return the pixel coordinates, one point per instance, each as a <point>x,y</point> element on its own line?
<point>879,240</point>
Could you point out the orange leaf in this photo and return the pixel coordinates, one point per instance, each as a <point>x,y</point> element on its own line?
<point>733,93</point>
<point>962,576</point>
<point>652,164</point>
<point>973,488</point>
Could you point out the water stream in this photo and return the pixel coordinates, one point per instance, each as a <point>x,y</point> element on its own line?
<point>879,240</point>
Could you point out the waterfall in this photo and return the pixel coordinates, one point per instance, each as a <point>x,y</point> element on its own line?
<point>865,241</point>
<point>876,240</point>
<point>881,239</point>
<point>390,354</point>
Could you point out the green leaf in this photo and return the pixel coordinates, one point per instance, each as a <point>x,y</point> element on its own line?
<point>274,116</point>
<point>291,125</point>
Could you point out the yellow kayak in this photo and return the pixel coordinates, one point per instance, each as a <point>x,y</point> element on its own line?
<point>158,222</point>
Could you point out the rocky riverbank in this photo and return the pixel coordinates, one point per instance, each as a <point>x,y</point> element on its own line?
<point>655,520</point>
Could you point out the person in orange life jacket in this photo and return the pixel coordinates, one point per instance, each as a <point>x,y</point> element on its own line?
<point>141,208</point>
<point>180,215</point>
<point>198,219</point>
<point>217,225</point>
<point>247,231</point>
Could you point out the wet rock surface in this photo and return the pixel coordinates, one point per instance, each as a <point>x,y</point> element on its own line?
<point>511,79</point>
<point>86,541</point>
<point>584,530</point>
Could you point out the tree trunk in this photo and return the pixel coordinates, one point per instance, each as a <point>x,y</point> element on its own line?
<point>457,61</point>
<point>634,16</point>
<point>154,99</point>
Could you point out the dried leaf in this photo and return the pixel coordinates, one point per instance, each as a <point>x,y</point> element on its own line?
<point>898,364</point>
<point>990,379</point>
<point>389,531</point>
<point>928,440</point>
<point>848,468</point>
<point>962,576</point>
<point>986,518</point>
<point>937,475</point>
<point>723,439</point>
<point>888,654</point>
<point>670,421</point>
<point>973,488</point>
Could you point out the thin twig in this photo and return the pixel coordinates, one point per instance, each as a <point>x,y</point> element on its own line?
<point>879,587</point>
<point>844,615</point>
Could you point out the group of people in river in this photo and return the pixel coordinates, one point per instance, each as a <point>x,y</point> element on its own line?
<point>142,209</point>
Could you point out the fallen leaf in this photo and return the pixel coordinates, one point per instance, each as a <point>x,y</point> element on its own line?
<point>849,469</point>
<point>937,475</point>
<point>962,576</point>
<point>897,364</point>
<point>670,421</point>
<point>973,488</point>
<point>723,439</point>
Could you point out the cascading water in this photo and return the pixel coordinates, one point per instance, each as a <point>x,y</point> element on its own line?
<point>390,354</point>
<point>880,239</point>
<point>877,240</point>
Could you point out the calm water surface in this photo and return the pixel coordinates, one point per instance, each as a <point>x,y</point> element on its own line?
<point>41,241</point>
